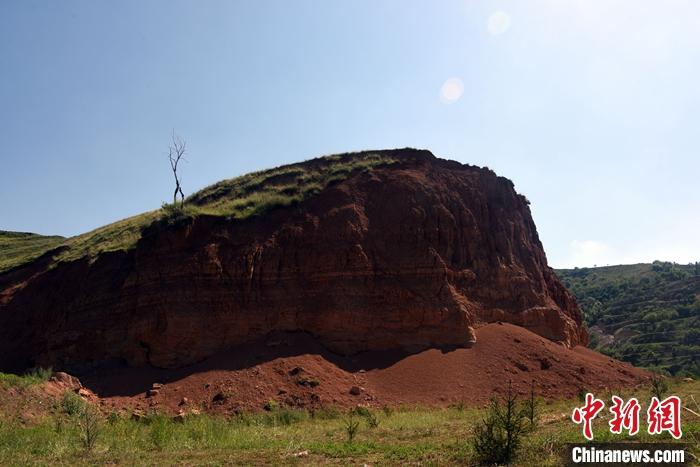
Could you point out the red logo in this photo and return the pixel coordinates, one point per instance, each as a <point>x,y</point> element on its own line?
<point>624,416</point>
<point>665,416</point>
<point>587,413</point>
<point>661,416</point>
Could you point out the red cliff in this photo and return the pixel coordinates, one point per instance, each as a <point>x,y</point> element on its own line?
<point>413,254</point>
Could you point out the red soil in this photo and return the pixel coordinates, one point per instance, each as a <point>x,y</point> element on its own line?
<point>293,370</point>
<point>408,256</point>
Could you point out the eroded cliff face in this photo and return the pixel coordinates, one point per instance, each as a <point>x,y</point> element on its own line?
<point>412,255</point>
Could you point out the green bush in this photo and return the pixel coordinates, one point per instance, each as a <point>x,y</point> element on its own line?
<point>175,213</point>
<point>497,438</point>
<point>89,423</point>
<point>530,410</point>
<point>372,420</point>
<point>72,404</point>
<point>351,426</point>
<point>368,415</point>
<point>659,387</point>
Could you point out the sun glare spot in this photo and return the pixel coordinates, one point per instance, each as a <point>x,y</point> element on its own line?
<point>499,22</point>
<point>451,90</point>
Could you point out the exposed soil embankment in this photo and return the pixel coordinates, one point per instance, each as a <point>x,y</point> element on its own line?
<point>408,256</point>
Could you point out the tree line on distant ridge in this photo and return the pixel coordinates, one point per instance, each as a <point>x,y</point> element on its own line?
<point>646,314</point>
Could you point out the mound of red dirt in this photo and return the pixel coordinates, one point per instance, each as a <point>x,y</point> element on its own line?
<point>411,255</point>
<point>294,370</point>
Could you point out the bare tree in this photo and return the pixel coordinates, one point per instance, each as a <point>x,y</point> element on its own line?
<point>175,154</point>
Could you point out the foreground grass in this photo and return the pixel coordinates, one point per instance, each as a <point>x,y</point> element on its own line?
<point>405,436</point>
<point>242,197</point>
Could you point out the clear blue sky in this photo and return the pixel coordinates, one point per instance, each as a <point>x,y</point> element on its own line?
<point>591,107</point>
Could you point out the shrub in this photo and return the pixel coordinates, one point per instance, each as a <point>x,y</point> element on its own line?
<point>89,423</point>
<point>72,404</point>
<point>368,415</point>
<point>531,408</point>
<point>659,387</point>
<point>498,437</point>
<point>372,420</point>
<point>174,213</point>
<point>351,427</point>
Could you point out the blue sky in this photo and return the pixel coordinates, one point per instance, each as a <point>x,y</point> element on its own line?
<point>591,107</point>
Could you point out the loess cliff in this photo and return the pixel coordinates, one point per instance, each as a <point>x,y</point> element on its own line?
<point>411,253</point>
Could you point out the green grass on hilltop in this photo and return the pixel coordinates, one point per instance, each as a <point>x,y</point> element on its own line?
<point>646,314</point>
<point>120,235</point>
<point>237,198</point>
<point>257,192</point>
<point>17,248</point>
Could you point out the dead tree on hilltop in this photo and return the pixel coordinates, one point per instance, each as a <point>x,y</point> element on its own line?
<point>175,153</point>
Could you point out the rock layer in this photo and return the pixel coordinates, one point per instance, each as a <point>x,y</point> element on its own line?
<point>411,255</point>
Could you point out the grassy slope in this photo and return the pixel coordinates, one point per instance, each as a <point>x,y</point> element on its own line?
<point>405,436</point>
<point>249,195</point>
<point>17,247</point>
<point>646,314</point>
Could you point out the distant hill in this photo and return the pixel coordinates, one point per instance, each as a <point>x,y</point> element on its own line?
<point>646,314</point>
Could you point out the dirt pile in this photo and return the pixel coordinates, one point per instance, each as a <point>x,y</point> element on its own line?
<point>408,256</point>
<point>295,371</point>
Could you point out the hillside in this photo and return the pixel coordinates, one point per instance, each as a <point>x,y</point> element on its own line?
<point>645,314</point>
<point>242,197</point>
<point>17,248</point>
<point>371,251</point>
